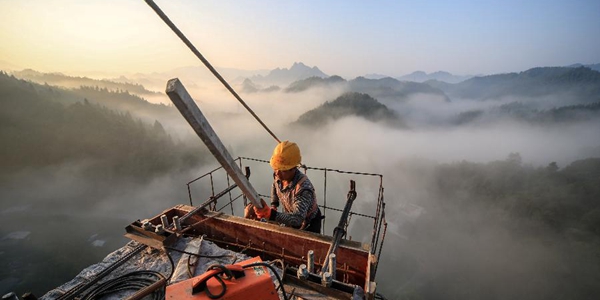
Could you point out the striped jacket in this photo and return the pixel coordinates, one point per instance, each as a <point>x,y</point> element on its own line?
<point>298,199</point>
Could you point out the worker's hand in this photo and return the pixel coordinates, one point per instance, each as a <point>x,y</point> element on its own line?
<point>274,205</point>
<point>264,212</point>
<point>249,212</point>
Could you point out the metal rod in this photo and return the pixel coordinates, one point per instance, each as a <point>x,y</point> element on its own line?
<point>310,261</point>
<point>189,44</point>
<point>190,194</point>
<point>322,169</point>
<point>324,199</point>
<point>190,111</point>
<point>377,219</point>
<point>385,225</point>
<point>164,221</point>
<point>230,199</point>
<point>206,203</point>
<point>212,190</point>
<point>332,264</point>
<point>339,231</point>
<point>148,290</point>
<point>176,223</point>
<point>380,218</point>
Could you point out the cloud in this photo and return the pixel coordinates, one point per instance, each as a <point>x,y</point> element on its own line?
<point>460,251</point>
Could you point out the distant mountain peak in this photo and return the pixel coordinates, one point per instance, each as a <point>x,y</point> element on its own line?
<point>298,65</point>
<point>420,76</point>
<point>314,81</point>
<point>298,71</point>
<point>418,73</point>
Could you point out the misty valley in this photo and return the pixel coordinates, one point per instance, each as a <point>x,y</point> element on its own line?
<point>492,182</point>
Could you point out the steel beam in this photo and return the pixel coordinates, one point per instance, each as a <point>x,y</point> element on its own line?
<point>190,111</point>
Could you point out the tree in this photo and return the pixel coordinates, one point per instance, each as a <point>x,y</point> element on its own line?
<point>552,167</point>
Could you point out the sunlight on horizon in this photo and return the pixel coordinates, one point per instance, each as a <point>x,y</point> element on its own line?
<point>90,36</point>
<point>343,38</point>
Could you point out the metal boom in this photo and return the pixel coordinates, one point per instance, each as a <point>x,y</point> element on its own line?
<point>190,111</point>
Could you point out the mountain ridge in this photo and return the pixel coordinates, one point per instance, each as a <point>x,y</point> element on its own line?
<point>60,79</point>
<point>350,104</point>
<point>580,85</point>
<point>420,76</point>
<point>284,76</point>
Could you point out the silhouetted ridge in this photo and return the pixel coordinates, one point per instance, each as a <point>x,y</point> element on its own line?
<point>63,80</point>
<point>250,87</point>
<point>349,104</point>
<point>575,84</point>
<point>312,82</point>
<point>392,88</point>
<point>284,76</point>
<point>420,76</point>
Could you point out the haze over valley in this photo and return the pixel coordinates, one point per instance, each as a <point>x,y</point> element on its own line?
<point>490,181</point>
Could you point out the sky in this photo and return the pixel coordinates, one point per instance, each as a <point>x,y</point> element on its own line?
<point>347,38</point>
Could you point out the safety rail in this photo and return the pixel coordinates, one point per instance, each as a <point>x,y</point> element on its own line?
<point>379,222</point>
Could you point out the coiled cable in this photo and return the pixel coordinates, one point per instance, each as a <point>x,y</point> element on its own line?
<point>136,280</point>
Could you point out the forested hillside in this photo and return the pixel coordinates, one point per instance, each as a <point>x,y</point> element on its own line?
<point>520,112</point>
<point>387,87</point>
<point>563,199</point>
<point>350,104</point>
<point>38,129</point>
<point>393,89</point>
<point>486,226</point>
<point>63,80</point>
<point>573,85</point>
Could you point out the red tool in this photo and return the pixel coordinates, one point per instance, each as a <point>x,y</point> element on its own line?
<point>231,282</point>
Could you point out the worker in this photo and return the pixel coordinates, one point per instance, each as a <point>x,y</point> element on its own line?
<point>293,190</point>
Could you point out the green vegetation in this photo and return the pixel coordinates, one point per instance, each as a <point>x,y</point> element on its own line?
<point>40,131</point>
<point>58,79</point>
<point>498,230</point>
<point>565,199</point>
<point>121,100</point>
<point>350,104</point>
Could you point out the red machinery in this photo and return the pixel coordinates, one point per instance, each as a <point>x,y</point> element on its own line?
<point>232,282</point>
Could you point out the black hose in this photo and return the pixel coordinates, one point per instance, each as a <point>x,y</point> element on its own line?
<point>264,264</point>
<point>172,266</point>
<point>134,281</point>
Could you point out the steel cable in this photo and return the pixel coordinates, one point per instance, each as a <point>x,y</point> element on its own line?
<point>135,281</point>
<point>189,44</point>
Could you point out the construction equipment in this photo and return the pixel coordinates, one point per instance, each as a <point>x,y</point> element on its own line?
<point>241,281</point>
<point>348,267</point>
<point>338,232</point>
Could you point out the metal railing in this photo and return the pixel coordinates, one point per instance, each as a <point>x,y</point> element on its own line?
<point>378,219</point>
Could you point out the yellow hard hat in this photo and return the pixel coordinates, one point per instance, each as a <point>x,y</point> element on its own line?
<point>286,155</point>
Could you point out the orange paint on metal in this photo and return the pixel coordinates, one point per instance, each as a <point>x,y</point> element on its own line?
<point>256,284</point>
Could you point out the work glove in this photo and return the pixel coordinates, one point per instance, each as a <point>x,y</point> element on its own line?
<point>264,212</point>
